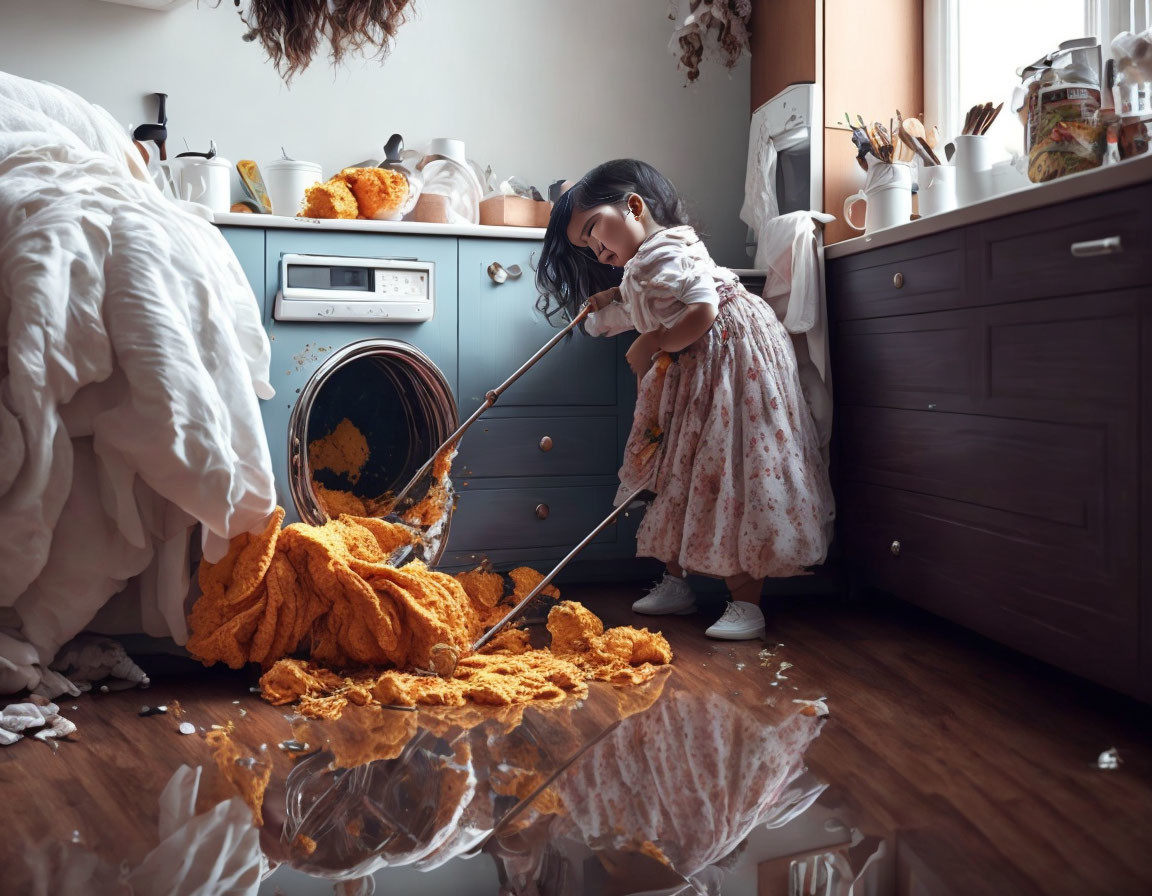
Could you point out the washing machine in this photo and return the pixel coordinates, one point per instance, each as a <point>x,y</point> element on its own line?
<point>363,326</point>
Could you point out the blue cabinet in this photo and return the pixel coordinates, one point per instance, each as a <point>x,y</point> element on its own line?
<point>538,471</point>
<point>500,328</point>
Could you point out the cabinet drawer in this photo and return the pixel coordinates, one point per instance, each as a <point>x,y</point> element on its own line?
<point>535,446</point>
<point>987,569</point>
<point>1071,358</point>
<point>921,275</point>
<point>493,519</point>
<point>1030,255</point>
<point>1066,485</point>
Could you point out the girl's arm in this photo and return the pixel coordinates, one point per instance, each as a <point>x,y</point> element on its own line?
<point>694,323</point>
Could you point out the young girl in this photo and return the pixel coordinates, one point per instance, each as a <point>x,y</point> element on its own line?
<point>721,432</point>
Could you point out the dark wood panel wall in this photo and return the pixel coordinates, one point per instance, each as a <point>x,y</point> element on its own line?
<point>785,39</point>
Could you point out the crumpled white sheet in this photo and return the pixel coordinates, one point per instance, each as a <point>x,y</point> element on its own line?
<point>17,719</point>
<point>216,853</point>
<point>131,359</point>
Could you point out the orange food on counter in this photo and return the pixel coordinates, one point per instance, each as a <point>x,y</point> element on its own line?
<point>330,199</point>
<point>378,191</point>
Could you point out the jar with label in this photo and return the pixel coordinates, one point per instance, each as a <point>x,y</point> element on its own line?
<point>1064,132</point>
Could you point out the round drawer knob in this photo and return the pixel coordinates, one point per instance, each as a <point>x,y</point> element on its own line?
<point>898,280</point>
<point>895,548</point>
<point>546,443</point>
<point>542,511</point>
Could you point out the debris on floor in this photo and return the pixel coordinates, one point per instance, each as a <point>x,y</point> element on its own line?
<point>1109,759</point>
<point>88,659</point>
<point>18,719</point>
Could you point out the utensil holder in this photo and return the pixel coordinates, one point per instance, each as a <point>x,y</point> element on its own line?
<point>975,154</point>
<point>937,189</point>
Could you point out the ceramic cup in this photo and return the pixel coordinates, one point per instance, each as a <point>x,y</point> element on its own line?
<point>887,197</point>
<point>937,189</point>
<point>975,155</point>
<point>286,180</point>
<point>203,181</point>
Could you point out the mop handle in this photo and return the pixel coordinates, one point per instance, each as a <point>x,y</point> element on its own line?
<point>490,399</point>
<point>544,582</point>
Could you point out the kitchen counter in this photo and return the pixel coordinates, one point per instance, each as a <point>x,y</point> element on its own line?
<point>1088,183</point>
<point>412,228</point>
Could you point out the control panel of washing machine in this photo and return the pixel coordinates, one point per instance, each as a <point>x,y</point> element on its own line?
<point>348,288</point>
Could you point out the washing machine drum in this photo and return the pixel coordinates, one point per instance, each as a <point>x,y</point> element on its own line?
<point>394,395</point>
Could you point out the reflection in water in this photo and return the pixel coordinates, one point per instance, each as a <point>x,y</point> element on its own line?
<point>637,789</point>
<point>648,788</point>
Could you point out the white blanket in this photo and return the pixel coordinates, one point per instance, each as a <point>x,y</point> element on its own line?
<point>131,359</point>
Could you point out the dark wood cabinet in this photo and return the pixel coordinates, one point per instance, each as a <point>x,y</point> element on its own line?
<point>993,428</point>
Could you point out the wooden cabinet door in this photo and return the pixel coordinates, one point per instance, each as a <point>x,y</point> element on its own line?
<point>500,329</point>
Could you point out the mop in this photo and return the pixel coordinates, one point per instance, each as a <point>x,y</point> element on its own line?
<point>405,500</point>
<point>432,535</point>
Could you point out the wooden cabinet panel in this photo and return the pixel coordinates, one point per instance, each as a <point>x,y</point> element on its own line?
<point>912,361</point>
<point>498,518</point>
<point>1061,480</point>
<point>922,275</point>
<point>541,446</point>
<point>1029,255</point>
<point>1072,359</point>
<point>986,569</point>
<point>785,40</point>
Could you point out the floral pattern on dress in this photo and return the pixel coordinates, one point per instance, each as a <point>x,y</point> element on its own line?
<point>740,482</point>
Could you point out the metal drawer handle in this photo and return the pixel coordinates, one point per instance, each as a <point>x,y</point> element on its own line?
<point>542,511</point>
<point>895,548</point>
<point>499,273</point>
<point>546,443</point>
<point>898,280</point>
<point>1110,245</point>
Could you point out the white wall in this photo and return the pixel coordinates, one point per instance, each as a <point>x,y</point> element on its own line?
<point>540,88</point>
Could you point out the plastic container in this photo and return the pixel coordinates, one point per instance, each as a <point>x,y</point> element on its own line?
<point>1063,130</point>
<point>286,180</point>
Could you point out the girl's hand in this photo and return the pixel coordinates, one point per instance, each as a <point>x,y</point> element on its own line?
<point>640,354</point>
<point>607,297</point>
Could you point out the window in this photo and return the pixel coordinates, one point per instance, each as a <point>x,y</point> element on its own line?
<point>972,49</point>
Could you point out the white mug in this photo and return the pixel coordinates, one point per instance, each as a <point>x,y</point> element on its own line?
<point>887,197</point>
<point>286,180</point>
<point>200,180</point>
<point>975,154</point>
<point>937,189</point>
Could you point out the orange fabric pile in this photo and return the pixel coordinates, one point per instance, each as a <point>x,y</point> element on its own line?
<point>331,590</point>
<point>357,193</point>
<point>344,450</point>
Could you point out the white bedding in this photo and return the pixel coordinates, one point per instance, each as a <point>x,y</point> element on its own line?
<point>131,359</point>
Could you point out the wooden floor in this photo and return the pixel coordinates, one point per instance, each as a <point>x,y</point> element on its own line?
<point>976,764</point>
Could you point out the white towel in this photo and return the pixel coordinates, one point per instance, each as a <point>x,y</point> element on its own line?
<point>789,249</point>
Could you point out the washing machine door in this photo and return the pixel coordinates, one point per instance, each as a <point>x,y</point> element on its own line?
<point>398,400</point>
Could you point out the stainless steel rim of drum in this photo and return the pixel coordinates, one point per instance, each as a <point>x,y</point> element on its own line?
<point>429,410</point>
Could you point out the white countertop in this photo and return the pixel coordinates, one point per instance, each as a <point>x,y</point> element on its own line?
<point>1128,173</point>
<point>412,228</point>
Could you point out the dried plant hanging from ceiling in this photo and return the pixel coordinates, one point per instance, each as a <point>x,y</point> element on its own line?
<point>293,31</point>
<point>716,30</point>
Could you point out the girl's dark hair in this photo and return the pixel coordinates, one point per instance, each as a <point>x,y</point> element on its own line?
<point>568,274</point>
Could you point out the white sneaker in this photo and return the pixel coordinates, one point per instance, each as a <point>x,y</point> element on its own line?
<point>669,596</point>
<point>741,621</point>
